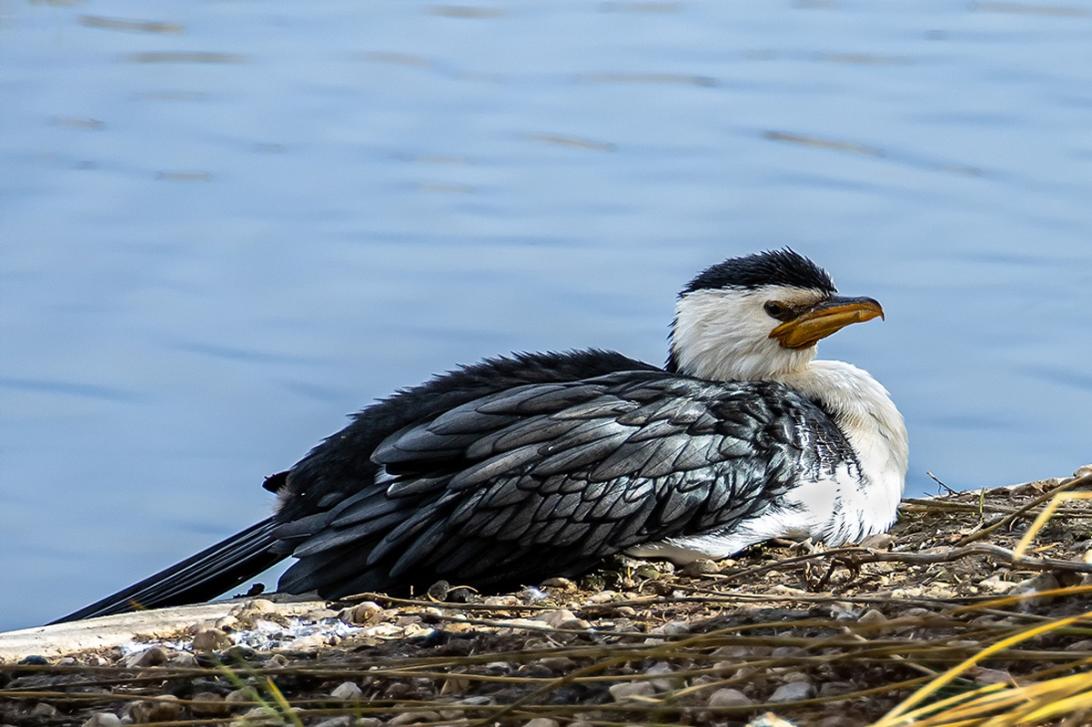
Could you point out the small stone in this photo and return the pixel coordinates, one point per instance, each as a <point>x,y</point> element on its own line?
<point>1082,645</point>
<point>258,717</point>
<point>240,654</point>
<point>163,709</point>
<point>277,661</point>
<point>34,660</point>
<point>344,721</point>
<point>375,721</point>
<point>700,567</point>
<point>454,685</point>
<point>42,710</point>
<point>563,584</point>
<point>68,661</point>
<point>211,705</point>
<point>792,692</point>
<point>666,683</point>
<point>347,691</point>
<point>603,597</point>
<point>498,667</point>
<point>438,590</point>
<point>413,718</point>
<point>227,623</point>
<point>365,612</point>
<point>835,689</point>
<point>560,664</point>
<point>879,541</point>
<point>182,659</point>
<point>259,605</point>
<point>871,616</point>
<point>210,640</point>
<point>735,651</point>
<point>631,690</point>
<point>1038,584</point>
<point>241,696</point>
<point>541,722</point>
<point>556,618</point>
<point>782,652</point>
<point>729,698</point>
<point>627,611</point>
<point>673,628</point>
<point>102,719</point>
<point>153,656</point>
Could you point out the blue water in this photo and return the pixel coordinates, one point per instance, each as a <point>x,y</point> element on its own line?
<point>227,227</point>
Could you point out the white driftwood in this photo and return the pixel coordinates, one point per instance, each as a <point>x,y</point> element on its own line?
<point>109,631</point>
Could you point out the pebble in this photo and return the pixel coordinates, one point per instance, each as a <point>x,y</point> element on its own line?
<point>558,663</point>
<point>257,717</point>
<point>210,640</point>
<point>629,690</point>
<point>769,720</point>
<point>700,567</point>
<point>500,667</point>
<point>872,616</point>
<point>1082,645</point>
<point>240,653</point>
<point>42,710</point>
<point>556,618</point>
<point>183,659</point>
<point>164,709</point>
<point>277,661</point>
<point>365,612</point>
<point>216,706</point>
<point>563,584</point>
<point>792,692</point>
<point>729,698</point>
<point>541,722</point>
<point>454,685</point>
<point>344,721</point>
<point>241,696</point>
<point>102,719</point>
<point>413,718</point>
<point>227,623</point>
<point>666,682</point>
<point>673,628</point>
<point>733,652</point>
<point>835,689</point>
<point>34,660</point>
<point>438,591</point>
<point>347,691</point>
<point>603,597</point>
<point>783,651</point>
<point>254,606</point>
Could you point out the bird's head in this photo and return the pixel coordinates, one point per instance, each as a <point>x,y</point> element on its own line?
<point>759,317</point>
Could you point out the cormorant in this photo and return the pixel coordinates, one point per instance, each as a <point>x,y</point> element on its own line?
<point>524,467</point>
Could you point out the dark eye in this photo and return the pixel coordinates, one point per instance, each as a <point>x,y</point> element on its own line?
<point>780,311</point>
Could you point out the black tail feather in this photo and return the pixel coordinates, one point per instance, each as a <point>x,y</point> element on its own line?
<point>198,578</point>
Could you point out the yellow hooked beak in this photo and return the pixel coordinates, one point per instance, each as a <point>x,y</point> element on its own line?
<point>828,317</point>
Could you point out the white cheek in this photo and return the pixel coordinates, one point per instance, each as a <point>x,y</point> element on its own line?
<point>725,335</point>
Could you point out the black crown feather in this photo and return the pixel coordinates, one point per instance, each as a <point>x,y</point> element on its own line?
<point>772,267</point>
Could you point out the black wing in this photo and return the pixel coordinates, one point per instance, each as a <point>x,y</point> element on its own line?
<point>546,479</point>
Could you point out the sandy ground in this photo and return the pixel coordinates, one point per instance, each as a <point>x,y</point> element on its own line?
<point>784,635</point>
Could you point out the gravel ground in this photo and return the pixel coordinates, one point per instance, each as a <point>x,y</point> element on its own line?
<point>786,634</point>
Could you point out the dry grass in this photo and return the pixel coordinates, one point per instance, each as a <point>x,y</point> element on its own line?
<point>977,613</point>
